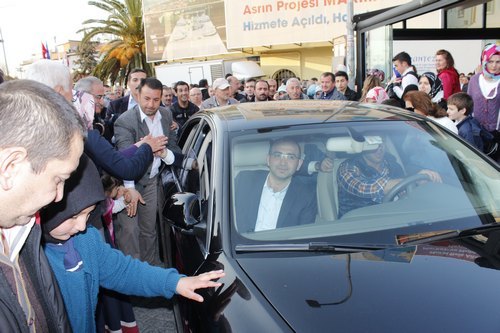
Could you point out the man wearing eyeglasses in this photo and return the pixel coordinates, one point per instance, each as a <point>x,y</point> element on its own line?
<point>95,87</point>
<point>275,199</point>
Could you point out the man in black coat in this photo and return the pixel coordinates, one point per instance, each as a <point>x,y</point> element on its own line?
<point>183,108</point>
<point>120,105</point>
<point>275,199</point>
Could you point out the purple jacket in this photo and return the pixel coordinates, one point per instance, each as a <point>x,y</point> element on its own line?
<point>485,110</point>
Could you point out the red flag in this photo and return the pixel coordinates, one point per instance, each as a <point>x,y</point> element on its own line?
<point>45,52</point>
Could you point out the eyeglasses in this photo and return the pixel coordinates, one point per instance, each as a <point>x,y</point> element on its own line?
<point>99,96</point>
<point>279,155</point>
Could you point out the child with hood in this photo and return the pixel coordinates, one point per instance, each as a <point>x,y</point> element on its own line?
<point>82,261</point>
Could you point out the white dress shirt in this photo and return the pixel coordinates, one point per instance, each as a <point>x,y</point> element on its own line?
<point>269,207</point>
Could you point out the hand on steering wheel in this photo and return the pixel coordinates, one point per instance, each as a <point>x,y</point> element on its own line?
<point>407,183</point>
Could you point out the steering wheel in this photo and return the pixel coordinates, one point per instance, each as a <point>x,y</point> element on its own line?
<point>408,183</point>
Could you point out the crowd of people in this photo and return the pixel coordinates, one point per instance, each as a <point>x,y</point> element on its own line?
<point>90,159</point>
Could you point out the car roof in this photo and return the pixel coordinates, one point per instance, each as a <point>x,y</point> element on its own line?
<point>287,113</point>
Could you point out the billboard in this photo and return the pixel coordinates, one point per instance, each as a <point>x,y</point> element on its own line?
<point>177,29</point>
<point>274,22</point>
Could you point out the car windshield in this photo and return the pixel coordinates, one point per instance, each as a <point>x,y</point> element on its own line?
<point>361,181</point>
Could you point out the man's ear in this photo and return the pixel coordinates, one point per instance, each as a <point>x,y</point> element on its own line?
<point>462,111</point>
<point>11,161</point>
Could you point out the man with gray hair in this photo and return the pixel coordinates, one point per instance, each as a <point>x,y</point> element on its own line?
<point>293,90</point>
<point>52,73</point>
<point>41,140</point>
<point>95,87</point>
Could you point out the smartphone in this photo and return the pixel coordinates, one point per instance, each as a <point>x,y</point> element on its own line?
<point>396,73</point>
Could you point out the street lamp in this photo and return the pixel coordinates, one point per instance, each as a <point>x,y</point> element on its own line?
<point>4,55</point>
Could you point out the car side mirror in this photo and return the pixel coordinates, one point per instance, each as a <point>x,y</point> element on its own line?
<point>182,210</point>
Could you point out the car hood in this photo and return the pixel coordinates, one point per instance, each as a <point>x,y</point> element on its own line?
<point>434,287</point>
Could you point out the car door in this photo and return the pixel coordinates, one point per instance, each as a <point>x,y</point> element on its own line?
<point>189,243</point>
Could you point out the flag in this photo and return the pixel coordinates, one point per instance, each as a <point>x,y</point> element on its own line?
<point>45,51</point>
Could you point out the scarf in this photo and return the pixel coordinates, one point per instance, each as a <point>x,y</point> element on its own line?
<point>435,83</point>
<point>72,259</point>
<point>378,94</point>
<point>489,51</point>
<point>85,105</point>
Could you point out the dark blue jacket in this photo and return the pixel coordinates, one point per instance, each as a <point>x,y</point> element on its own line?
<point>114,162</point>
<point>115,109</point>
<point>470,130</point>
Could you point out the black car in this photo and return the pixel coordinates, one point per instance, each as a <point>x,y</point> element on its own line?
<point>420,255</point>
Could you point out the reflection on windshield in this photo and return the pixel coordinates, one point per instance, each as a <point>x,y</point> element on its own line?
<point>351,178</point>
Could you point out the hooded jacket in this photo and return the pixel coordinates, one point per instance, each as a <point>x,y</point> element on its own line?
<point>85,262</point>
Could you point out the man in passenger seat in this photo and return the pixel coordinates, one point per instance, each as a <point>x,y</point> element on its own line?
<point>275,199</point>
<point>366,178</point>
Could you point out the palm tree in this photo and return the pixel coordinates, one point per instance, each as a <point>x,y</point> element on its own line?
<point>127,50</point>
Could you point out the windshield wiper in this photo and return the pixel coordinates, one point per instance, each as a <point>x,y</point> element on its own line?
<point>306,247</point>
<point>449,234</point>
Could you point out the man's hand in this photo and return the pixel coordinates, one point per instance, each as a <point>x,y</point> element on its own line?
<point>174,126</point>
<point>433,175</point>
<point>326,165</point>
<point>161,153</point>
<point>187,285</point>
<point>157,143</point>
<point>132,198</point>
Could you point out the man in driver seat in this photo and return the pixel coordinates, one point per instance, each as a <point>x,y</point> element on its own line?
<point>365,179</point>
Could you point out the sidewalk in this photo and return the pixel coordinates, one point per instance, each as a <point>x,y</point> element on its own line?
<point>154,315</point>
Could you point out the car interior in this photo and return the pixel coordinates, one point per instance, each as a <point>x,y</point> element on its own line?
<point>253,156</point>
<point>427,203</point>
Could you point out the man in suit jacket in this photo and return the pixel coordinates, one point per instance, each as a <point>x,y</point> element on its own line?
<point>148,117</point>
<point>120,105</point>
<point>275,199</point>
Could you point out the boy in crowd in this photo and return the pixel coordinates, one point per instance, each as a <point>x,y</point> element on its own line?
<point>460,107</point>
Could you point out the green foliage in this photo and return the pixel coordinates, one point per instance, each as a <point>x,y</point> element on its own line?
<point>127,49</point>
<point>86,62</point>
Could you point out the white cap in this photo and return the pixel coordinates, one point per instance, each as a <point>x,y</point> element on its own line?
<point>220,83</point>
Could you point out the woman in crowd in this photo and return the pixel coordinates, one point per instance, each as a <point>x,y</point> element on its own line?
<point>483,88</point>
<point>430,84</point>
<point>445,66</point>
<point>421,103</point>
<point>371,82</point>
<point>376,95</point>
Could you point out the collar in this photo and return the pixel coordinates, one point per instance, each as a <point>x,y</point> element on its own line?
<point>409,69</point>
<point>328,94</point>
<point>16,237</point>
<point>282,192</point>
<point>144,116</point>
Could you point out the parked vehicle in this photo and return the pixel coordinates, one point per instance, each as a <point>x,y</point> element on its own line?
<point>424,258</point>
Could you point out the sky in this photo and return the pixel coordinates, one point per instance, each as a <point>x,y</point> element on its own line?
<point>25,24</point>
